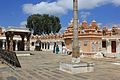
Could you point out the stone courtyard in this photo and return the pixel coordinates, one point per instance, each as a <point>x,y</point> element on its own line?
<point>44,65</point>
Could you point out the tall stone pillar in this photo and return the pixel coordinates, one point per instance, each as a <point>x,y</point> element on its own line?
<point>11,41</point>
<point>108,46</point>
<point>75,47</point>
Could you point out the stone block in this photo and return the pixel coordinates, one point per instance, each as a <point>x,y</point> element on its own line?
<point>73,68</point>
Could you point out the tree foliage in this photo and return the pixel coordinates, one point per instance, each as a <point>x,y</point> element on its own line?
<point>43,24</point>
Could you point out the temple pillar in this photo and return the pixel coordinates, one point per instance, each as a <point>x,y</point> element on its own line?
<point>25,46</point>
<point>40,45</point>
<point>44,45</point>
<point>3,45</point>
<point>16,46</point>
<point>51,46</point>
<point>28,43</point>
<point>11,41</point>
<point>23,42</point>
<point>100,46</point>
<point>108,44</point>
<point>7,40</point>
<point>118,46</point>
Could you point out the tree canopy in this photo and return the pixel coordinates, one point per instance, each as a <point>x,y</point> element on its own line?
<point>43,24</point>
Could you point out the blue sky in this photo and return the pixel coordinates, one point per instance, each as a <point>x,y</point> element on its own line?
<point>15,12</point>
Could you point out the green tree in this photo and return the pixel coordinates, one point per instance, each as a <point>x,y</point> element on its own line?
<point>43,24</point>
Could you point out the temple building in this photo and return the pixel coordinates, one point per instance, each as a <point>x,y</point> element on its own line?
<point>92,39</point>
<point>111,40</point>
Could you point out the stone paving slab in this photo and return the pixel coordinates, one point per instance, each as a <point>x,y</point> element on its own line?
<point>45,66</point>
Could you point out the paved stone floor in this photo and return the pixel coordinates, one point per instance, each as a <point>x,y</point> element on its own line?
<point>44,66</point>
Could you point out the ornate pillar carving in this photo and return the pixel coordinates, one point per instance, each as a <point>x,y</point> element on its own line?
<point>28,42</point>
<point>7,40</point>
<point>23,42</point>
<point>11,41</point>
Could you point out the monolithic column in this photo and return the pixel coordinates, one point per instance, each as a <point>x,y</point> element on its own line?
<point>75,47</point>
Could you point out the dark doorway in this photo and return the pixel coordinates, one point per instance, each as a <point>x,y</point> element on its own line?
<point>20,46</point>
<point>48,45</point>
<point>38,45</point>
<point>42,45</point>
<point>103,44</point>
<point>14,45</point>
<point>113,46</point>
<point>1,43</point>
<point>45,45</point>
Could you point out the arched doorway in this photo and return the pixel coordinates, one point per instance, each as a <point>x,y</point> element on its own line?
<point>38,45</point>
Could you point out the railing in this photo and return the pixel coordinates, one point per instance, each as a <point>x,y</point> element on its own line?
<point>10,57</point>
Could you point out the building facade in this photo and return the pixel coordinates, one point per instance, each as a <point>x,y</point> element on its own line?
<point>92,39</point>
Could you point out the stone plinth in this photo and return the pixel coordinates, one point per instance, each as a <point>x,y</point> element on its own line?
<point>73,68</point>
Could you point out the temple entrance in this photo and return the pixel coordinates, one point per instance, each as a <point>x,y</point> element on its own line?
<point>42,45</point>
<point>113,46</point>
<point>48,45</point>
<point>20,47</point>
<point>38,45</point>
<point>14,45</point>
<point>1,44</point>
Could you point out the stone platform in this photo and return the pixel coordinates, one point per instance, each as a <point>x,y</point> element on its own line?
<point>74,68</point>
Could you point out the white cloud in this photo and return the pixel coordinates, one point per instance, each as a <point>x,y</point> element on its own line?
<point>99,24</point>
<point>116,2</point>
<point>44,8</point>
<point>85,4</point>
<point>23,23</point>
<point>84,15</point>
<point>62,6</point>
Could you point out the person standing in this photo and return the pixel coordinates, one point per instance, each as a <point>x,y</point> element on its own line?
<point>54,47</point>
<point>57,49</point>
